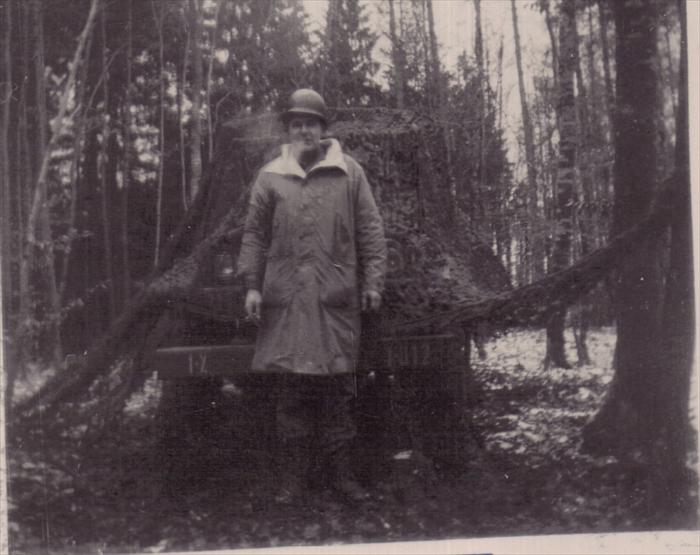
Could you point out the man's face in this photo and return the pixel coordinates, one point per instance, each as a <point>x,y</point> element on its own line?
<point>305,134</point>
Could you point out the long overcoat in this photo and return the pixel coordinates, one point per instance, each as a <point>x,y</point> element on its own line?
<point>313,242</point>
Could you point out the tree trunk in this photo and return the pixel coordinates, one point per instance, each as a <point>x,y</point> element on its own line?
<point>159,16</point>
<point>328,68</point>
<point>397,58</point>
<point>591,136</point>
<point>9,359</point>
<point>483,81</point>
<point>439,88</point>
<point>609,89</point>
<point>435,78</point>
<point>78,143</point>
<point>594,95</point>
<point>25,174</point>
<point>33,208</point>
<point>499,86</point>
<point>40,213</point>
<point>39,69</point>
<point>564,187</point>
<point>582,94</point>
<point>626,421</point>
<point>549,20</point>
<point>420,17</point>
<point>534,252</point>
<point>670,80</point>
<point>675,352</point>
<point>104,193</point>
<point>197,83</point>
<point>6,93</point>
<point>180,124</point>
<point>210,69</point>
<point>583,207</point>
<point>504,241</point>
<point>126,163</point>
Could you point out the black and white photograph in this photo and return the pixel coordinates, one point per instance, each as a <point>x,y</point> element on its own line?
<point>351,276</point>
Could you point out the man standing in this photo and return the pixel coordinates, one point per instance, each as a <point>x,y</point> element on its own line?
<point>313,256</point>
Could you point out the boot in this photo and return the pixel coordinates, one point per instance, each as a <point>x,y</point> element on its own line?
<point>293,465</point>
<point>343,479</point>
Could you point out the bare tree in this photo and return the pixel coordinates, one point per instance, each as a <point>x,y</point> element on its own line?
<point>595,105</point>
<point>670,69</point>
<point>159,18</point>
<point>6,92</point>
<point>534,248</point>
<point>210,69</point>
<point>25,174</point>
<point>645,414</point>
<point>437,89</point>
<point>675,354</point>
<point>483,81</point>
<point>39,236</point>
<point>197,83</point>
<point>504,242</point>
<point>181,87</point>
<point>565,178</point>
<point>79,124</point>
<point>126,160</point>
<point>31,227</point>
<point>549,20</point>
<point>397,58</point>
<point>499,85</point>
<point>605,48</point>
<point>626,420</point>
<point>106,133</point>
<point>433,51</point>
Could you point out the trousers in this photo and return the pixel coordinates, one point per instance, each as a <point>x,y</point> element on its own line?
<point>317,409</point>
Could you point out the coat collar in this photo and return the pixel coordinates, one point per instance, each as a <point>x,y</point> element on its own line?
<point>286,164</point>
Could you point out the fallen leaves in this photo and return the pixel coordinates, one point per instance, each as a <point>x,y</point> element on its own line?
<point>529,477</point>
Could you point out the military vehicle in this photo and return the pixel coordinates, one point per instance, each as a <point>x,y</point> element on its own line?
<point>412,388</point>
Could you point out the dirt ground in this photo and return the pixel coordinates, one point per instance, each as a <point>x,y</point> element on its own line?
<point>513,466</point>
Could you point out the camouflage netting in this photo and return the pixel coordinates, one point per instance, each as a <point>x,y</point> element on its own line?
<point>433,261</point>
<point>442,275</point>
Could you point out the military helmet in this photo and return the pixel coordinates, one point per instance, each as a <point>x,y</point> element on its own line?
<point>306,102</point>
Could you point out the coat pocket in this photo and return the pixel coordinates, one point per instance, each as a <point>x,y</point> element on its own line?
<point>339,285</point>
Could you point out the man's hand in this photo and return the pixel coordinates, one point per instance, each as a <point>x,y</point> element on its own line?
<point>371,300</point>
<point>253,305</point>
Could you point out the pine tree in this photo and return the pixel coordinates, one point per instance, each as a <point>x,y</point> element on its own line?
<point>346,67</point>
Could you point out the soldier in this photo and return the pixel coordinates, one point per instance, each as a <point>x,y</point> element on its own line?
<point>313,256</point>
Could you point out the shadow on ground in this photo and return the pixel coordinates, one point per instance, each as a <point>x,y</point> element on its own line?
<point>203,477</point>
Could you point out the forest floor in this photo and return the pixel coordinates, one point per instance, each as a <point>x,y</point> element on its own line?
<point>520,470</point>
